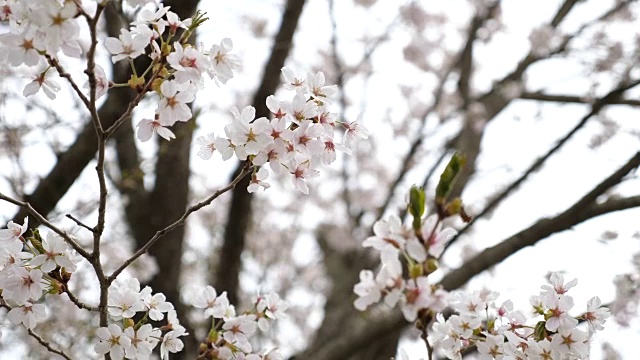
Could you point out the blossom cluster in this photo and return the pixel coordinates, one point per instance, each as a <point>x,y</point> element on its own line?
<point>183,65</point>
<point>39,29</point>
<point>29,269</point>
<point>497,332</point>
<point>230,333</point>
<point>420,250</point>
<point>295,141</point>
<point>500,332</point>
<point>125,338</point>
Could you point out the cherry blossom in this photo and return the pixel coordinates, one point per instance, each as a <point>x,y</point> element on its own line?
<point>353,131</point>
<point>222,62</point>
<point>189,64</point>
<point>171,342</point>
<point>573,341</point>
<point>249,136</point>
<point>20,48</point>
<point>124,301</point>
<point>301,170</point>
<point>293,81</point>
<point>23,285</point>
<point>317,88</point>
<point>418,296</point>
<point>147,128</point>
<point>435,236</point>
<point>596,315</point>
<point>126,46</point>
<point>207,146</point>
<point>173,103</point>
<point>272,307</point>
<point>387,233</point>
<point>560,318</point>
<point>143,340</point>
<point>55,255</point>
<point>238,331</point>
<point>301,109</point>
<point>41,80</point>
<point>257,180</point>
<point>62,30</point>
<point>155,304</point>
<point>13,232</point>
<point>368,291</point>
<point>29,314</point>
<point>112,341</point>
<point>102,83</point>
<point>306,139</point>
<point>216,306</point>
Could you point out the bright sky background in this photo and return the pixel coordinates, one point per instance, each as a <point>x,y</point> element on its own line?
<point>512,141</point>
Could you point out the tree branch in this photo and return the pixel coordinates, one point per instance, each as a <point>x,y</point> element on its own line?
<point>177,223</point>
<point>50,348</point>
<point>541,96</point>
<point>582,210</point>
<point>37,217</point>
<point>612,96</point>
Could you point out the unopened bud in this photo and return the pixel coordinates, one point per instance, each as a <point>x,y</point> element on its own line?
<point>415,270</point>
<point>453,207</point>
<point>128,323</point>
<point>448,177</point>
<point>431,265</point>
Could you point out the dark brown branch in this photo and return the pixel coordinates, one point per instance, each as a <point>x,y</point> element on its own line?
<point>469,139</point>
<point>80,223</point>
<point>613,95</point>
<point>50,348</point>
<point>239,214</point>
<point>77,301</point>
<point>465,60</point>
<point>582,210</point>
<point>540,96</point>
<point>563,12</point>
<point>38,218</point>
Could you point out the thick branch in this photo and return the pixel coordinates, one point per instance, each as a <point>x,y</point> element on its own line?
<point>582,210</point>
<point>597,106</point>
<point>465,60</point>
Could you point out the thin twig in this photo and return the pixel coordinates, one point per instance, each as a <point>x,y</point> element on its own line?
<point>77,301</point>
<point>178,222</point>
<point>111,129</point>
<point>84,253</point>
<point>80,223</point>
<point>91,65</point>
<point>47,345</point>
<point>63,73</point>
